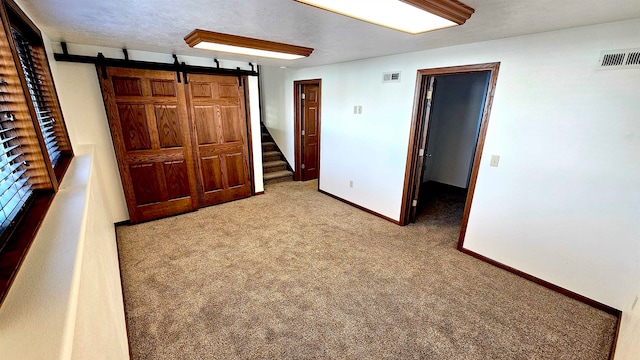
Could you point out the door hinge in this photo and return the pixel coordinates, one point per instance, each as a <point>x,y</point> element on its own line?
<point>302,166</point>
<point>429,94</point>
<point>414,203</point>
<point>421,152</point>
<point>302,132</point>
<point>303,96</point>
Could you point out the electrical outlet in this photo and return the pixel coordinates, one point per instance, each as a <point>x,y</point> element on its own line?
<point>355,109</point>
<point>350,183</point>
<point>495,160</point>
<point>359,109</point>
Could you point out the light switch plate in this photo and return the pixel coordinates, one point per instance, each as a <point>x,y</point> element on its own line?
<point>495,160</point>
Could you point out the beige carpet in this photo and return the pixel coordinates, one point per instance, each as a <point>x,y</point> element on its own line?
<point>294,274</point>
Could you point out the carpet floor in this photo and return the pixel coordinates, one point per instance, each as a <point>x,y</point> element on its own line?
<point>295,274</point>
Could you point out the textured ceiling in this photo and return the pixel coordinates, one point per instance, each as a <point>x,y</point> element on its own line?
<point>160,25</point>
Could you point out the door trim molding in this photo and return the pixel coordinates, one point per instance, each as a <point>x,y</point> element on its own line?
<point>297,125</point>
<point>416,129</point>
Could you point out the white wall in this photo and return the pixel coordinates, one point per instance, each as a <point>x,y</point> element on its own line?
<point>563,205</point>
<point>453,128</point>
<point>81,102</point>
<point>256,133</point>
<point>83,108</point>
<point>274,115</point>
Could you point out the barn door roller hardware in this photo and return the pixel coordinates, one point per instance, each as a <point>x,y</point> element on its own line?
<point>104,62</point>
<point>176,64</point>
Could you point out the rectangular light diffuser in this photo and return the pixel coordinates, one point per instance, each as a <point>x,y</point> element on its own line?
<point>209,40</point>
<point>410,16</point>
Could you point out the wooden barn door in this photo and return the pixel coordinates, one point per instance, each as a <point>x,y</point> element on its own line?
<point>217,107</point>
<point>150,130</point>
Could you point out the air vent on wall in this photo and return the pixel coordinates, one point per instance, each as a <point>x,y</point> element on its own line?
<point>619,59</point>
<point>391,77</point>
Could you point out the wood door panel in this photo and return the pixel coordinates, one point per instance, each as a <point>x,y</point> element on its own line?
<point>234,166</point>
<point>169,126</point>
<point>221,149</point>
<point>163,88</point>
<point>127,86</point>
<point>166,208</point>
<point>232,126</point>
<point>311,126</point>
<point>212,173</point>
<point>177,179</point>
<point>201,90</point>
<point>143,156</point>
<point>147,113</point>
<point>311,154</point>
<point>206,128</point>
<point>312,94</point>
<point>218,108</point>
<point>135,127</point>
<point>144,178</point>
<point>228,91</point>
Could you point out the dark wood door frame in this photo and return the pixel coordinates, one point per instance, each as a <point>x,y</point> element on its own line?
<point>298,109</point>
<point>417,128</point>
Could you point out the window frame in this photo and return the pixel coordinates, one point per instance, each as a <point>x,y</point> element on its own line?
<point>19,238</point>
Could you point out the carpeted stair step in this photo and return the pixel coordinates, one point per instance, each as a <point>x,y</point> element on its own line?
<point>269,156</point>
<point>274,166</point>
<point>268,146</point>
<point>277,176</point>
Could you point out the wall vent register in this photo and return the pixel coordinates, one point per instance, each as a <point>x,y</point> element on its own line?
<point>619,59</point>
<point>391,77</point>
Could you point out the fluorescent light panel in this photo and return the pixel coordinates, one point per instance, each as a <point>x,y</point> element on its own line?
<point>209,40</point>
<point>412,16</point>
<point>246,51</point>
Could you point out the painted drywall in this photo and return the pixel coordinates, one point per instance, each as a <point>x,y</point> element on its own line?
<point>256,134</point>
<point>453,127</point>
<point>274,114</point>
<point>66,300</point>
<point>562,205</point>
<point>100,326</point>
<point>83,108</point>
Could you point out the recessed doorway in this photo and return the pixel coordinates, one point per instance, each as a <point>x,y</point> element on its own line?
<point>451,114</point>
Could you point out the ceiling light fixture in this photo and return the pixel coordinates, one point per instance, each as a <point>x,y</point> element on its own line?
<point>411,16</point>
<point>209,40</point>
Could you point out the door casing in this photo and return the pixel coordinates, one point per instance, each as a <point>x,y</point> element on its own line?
<point>418,127</point>
<point>298,87</point>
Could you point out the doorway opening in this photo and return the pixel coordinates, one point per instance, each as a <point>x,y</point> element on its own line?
<point>307,99</point>
<point>451,115</point>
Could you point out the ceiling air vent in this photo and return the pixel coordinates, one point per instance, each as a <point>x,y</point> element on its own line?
<point>391,77</point>
<point>619,59</point>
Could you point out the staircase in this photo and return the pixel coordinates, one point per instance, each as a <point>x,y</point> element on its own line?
<point>274,167</point>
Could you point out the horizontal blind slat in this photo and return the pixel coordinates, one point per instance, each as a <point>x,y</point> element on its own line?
<point>10,170</point>
<point>7,160</point>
